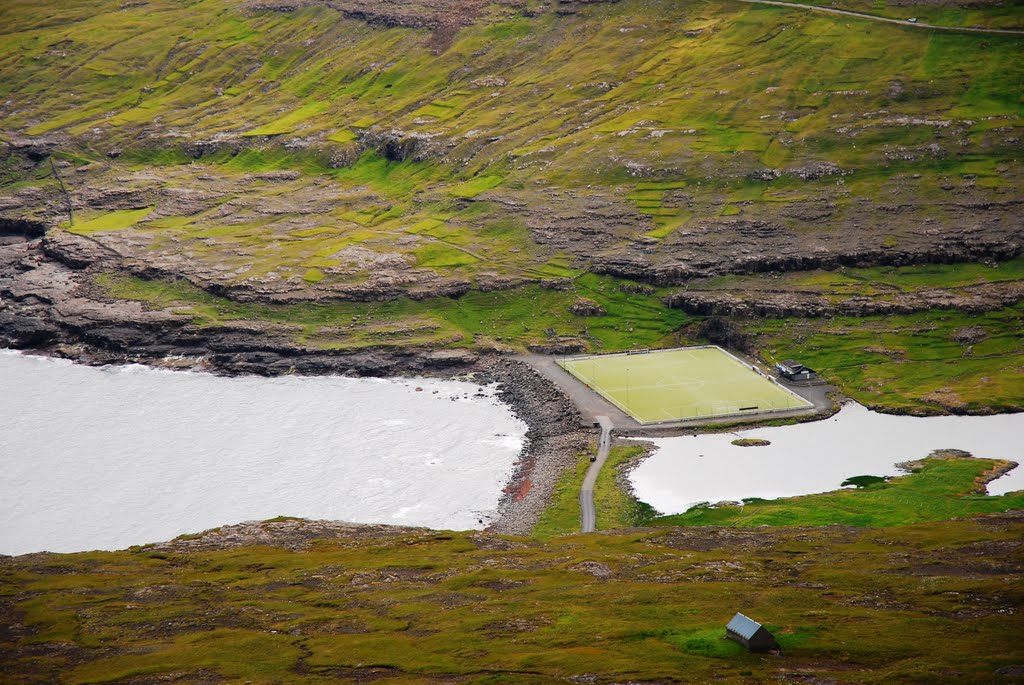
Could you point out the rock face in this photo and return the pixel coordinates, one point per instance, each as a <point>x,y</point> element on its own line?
<point>587,307</point>
<point>48,300</point>
<point>784,304</point>
<point>596,229</point>
<point>717,250</point>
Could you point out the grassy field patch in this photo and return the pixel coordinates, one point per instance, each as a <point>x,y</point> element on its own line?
<point>476,186</point>
<point>289,122</point>
<point>670,385</point>
<point>520,317</point>
<point>615,508</point>
<point>916,362</point>
<point>111,221</point>
<point>562,515</point>
<point>943,489</point>
<point>440,255</point>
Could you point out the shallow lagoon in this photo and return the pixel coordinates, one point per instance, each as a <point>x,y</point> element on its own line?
<point>817,456</point>
<point>104,458</point>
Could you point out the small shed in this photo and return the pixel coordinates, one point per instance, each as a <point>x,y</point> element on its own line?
<point>795,371</point>
<point>750,634</point>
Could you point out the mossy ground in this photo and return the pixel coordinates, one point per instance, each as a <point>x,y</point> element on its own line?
<point>918,362</point>
<point>672,110</point>
<point>615,508</point>
<point>303,72</point>
<point>904,604</point>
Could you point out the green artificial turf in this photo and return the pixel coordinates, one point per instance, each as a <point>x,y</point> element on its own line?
<point>669,385</point>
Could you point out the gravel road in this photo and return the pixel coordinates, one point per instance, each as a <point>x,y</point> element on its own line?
<point>587,507</point>
<point>887,20</point>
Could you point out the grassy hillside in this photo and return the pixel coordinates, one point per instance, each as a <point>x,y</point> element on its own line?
<point>659,122</point>
<point>917,363</point>
<point>551,85</point>
<point>912,604</point>
<point>990,14</point>
<point>358,175</point>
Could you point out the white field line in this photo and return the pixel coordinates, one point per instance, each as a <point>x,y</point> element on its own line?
<point>606,392</point>
<point>742,363</point>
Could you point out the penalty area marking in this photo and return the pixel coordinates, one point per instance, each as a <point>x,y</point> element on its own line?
<point>658,386</point>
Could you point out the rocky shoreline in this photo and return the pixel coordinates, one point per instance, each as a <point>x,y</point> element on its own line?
<point>46,307</point>
<point>556,435</point>
<point>555,432</point>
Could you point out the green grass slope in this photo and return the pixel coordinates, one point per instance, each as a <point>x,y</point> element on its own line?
<point>553,87</point>
<point>917,363</point>
<point>911,604</point>
<point>941,489</point>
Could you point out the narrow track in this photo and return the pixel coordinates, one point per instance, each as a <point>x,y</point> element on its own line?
<point>872,17</point>
<point>587,507</point>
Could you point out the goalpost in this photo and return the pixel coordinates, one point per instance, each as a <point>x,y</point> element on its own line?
<point>660,386</point>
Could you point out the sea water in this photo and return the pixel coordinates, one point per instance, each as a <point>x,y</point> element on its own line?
<point>107,457</point>
<point>817,456</point>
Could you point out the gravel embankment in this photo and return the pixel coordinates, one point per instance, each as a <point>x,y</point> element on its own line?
<point>556,435</point>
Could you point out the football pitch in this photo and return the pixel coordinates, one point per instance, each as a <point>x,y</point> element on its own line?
<point>686,383</point>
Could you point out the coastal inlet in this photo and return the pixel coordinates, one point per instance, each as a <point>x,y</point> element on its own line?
<point>107,457</point>
<point>817,456</point>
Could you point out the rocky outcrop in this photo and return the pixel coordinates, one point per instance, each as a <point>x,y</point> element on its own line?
<point>285,532</point>
<point>23,228</point>
<point>421,14</point>
<point>783,304</point>
<point>586,307</point>
<point>48,301</point>
<point>75,251</point>
<point>748,257</point>
<point>36,148</point>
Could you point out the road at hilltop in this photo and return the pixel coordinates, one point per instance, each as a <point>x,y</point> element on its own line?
<point>872,17</point>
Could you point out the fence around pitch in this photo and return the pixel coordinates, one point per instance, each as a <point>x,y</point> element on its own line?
<point>705,410</point>
<point>725,409</point>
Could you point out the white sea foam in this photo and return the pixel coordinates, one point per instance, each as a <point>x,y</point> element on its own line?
<point>104,458</point>
<point>817,456</point>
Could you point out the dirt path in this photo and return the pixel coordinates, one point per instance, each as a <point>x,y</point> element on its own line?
<point>872,17</point>
<point>587,507</point>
